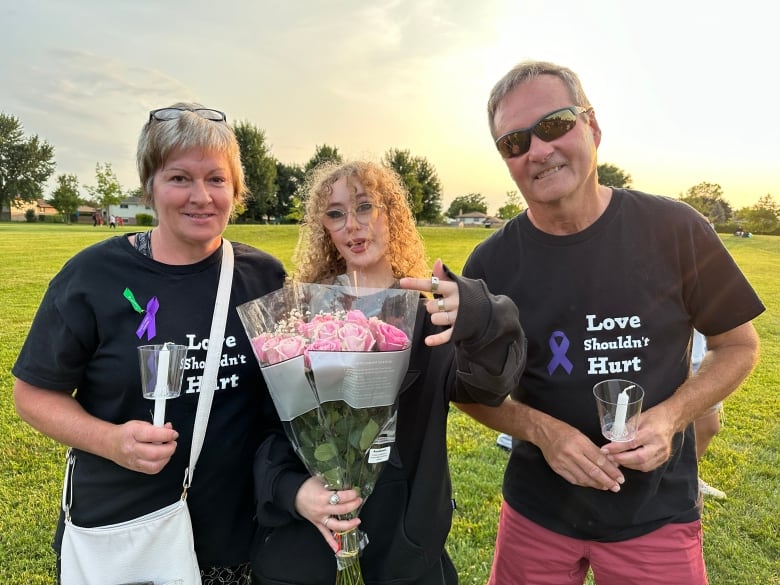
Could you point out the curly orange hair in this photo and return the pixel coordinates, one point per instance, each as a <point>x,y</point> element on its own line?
<point>316,257</point>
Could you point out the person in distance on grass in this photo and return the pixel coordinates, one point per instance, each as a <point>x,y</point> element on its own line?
<point>358,223</point>
<point>94,315</point>
<point>610,284</point>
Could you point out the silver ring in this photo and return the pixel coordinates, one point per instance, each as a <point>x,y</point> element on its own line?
<point>325,522</point>
<point>434,283</point>
<point>334,498</point>
<point>449,322</point>
<point>440,304</point>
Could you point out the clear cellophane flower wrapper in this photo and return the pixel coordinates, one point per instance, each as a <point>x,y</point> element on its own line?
<point>334,358</point>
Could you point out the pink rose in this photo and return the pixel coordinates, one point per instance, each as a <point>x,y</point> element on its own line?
<point>307,328</point>
<point>388,337</point>
<point>320,345</point>
<point>301,327</point>
<point>278,349</point>
<point>324,345</point>
<point>323,327</point>
<point>257,346</point>
<point>356,316</point>
<point>355,337</point>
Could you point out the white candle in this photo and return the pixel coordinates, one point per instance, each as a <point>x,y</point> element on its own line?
<point>161,385</point>
<point>619,426</point>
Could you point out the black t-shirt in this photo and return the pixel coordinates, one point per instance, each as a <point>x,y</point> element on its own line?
<point>616,300</point>
<point>84,336</point>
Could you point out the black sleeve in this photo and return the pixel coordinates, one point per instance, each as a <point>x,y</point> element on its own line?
<point>490,345</point>
<point>278,474</point>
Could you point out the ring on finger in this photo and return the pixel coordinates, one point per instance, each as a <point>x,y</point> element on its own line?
<point>449,321</point>
<point>434,283</point>
<point>325,522</point>
<point>440,304</point>
<point>334,498</point>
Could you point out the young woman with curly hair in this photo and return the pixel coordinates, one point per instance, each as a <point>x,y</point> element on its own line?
<point>318,258</point>
<point>358,226</point>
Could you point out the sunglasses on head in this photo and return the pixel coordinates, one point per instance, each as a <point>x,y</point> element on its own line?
<point>165,114</point>
<point>548,128</point>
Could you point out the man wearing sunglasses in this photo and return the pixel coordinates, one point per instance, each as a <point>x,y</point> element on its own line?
<point>610,284</point>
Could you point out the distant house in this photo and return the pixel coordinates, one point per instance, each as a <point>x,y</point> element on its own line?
<point>86,210</point>
<point>84,213</point>
<point>8,212</point>
<point>475,219</point>
<point>472,218</point>
<point>41,207</point>
<point>128,208</point>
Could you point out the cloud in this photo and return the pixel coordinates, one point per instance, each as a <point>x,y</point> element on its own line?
<point>681,82</point>
<point>91,107</point>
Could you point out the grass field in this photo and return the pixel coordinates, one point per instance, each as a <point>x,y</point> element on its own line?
<point>742,533</point>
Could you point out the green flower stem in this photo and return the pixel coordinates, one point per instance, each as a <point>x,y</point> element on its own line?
<point>333,440</point>
<point>348,559</point>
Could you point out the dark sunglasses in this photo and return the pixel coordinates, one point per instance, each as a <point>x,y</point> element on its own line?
<point>548,128</point>
<point>165,114</point>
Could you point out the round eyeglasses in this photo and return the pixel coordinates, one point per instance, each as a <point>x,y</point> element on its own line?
<point>335,219</point>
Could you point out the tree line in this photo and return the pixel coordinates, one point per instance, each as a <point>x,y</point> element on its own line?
<point>706,198</point>
<point>277,189</point>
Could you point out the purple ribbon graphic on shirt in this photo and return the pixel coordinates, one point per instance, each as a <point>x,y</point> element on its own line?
<point>559,344</point>
<point>148,324</point>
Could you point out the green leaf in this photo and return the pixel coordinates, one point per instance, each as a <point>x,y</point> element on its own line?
<point>369,433</point>
<point>333,478</point>
<point>325,452</point>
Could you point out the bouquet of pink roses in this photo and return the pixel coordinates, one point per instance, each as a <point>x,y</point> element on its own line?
<point>334,358</point>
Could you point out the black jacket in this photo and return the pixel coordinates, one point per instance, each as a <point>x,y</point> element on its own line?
<point>408,516</point>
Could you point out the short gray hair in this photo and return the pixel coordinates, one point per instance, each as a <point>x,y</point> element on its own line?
<point>159,139</point>
<point>526,71</point>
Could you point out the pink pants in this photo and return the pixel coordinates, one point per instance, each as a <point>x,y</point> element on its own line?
<point>527,554</point>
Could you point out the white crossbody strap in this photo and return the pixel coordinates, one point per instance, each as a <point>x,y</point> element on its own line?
<point>216,339</point>
<point>208,384</point>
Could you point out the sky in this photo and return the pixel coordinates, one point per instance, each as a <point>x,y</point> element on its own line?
<point>683,90</point>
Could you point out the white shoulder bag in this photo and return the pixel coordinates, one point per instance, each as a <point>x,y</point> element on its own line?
<point>157,548</point>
